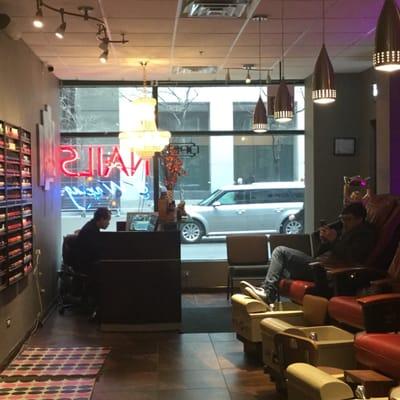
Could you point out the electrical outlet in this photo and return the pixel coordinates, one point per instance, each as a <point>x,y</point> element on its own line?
<point>8,322</point>
<point>186,274</point>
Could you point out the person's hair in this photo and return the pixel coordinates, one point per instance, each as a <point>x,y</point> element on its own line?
<point>101,213</point>
<point>356,209</point>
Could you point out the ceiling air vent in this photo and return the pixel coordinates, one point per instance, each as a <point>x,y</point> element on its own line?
<point>215,8</point>
<point>179,70</point>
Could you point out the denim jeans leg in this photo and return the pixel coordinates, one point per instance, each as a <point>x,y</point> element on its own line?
<point>288,263</point>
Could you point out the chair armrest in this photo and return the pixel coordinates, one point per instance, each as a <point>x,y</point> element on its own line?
<point>346,279</point>
<point>379,298</point>
<point>381,312</point>
<point>385,285</point>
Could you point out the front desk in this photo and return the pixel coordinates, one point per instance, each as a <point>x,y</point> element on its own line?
<point>140,281</point>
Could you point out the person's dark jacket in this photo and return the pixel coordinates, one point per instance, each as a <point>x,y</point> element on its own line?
<point>87,246</point>
<point>351,247</point>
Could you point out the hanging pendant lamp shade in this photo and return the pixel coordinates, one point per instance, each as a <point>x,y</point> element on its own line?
<point>323,84</point>
<point>260,117</point>
<point>283,109</point>
<point>260,113</point>
<point>387,38</point>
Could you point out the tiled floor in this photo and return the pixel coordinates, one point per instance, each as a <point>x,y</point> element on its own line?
<point>155,366</point>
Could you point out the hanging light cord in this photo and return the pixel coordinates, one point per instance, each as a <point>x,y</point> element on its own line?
<point>144,65</point>
<point>282,72</point>
<point>323,21</point>
<point>259,50</point>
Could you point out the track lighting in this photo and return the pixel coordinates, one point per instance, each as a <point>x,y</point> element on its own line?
<point>269,79</point>
<point>102,35</point>
<point>227,76</point>
<point>248,77</point>
<point>103,45</point>
<point>61,29</point>
<point>104,57</point>
<point>38,21</point>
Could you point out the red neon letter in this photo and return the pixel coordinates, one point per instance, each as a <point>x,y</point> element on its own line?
<point>134,166</point>
<point>73,156</point>
<point>100,165</point>
<point>115,161</point>
<point>89,172</point>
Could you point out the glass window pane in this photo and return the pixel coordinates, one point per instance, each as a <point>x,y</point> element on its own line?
<point>103,175</point>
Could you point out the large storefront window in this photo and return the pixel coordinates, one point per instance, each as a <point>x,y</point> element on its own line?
<point>235,182</point>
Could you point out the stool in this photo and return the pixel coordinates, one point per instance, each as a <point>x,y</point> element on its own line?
<point>247,258</point>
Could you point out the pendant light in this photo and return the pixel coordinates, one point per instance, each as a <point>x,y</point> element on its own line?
<point>260,113</point>
<point>323,83</point>
<point>145,139</point>
<point>387,38</point>
<point>283,109</point>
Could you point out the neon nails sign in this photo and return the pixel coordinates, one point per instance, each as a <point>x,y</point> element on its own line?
<point>98,163</point>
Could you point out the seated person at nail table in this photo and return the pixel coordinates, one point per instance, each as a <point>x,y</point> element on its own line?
<point>87,242</point>
<point>350,243</point>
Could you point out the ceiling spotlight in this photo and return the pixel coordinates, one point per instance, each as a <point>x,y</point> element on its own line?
<point>104,44</point>
<point>61,29</point>
<point>104,57</point>
<point>269,79</point>
<point>248,77</point>
<point>38,21</point>
<point>228,75</point>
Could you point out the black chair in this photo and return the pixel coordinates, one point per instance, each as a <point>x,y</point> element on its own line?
<point>73,287</point>
<point>247,259</point>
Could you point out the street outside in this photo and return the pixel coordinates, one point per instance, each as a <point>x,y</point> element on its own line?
<point>208,249</point>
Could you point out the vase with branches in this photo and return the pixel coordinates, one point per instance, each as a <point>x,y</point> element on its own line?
<point>173,169</point>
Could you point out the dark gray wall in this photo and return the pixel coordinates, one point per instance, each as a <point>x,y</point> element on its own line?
<point>367,142</point>
<point>349,116</point>
<point>25,87</point>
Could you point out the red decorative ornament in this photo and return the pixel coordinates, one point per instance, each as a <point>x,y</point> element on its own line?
<point>173,166</point>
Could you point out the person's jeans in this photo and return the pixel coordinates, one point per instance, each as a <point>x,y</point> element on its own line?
<point>287,263</point>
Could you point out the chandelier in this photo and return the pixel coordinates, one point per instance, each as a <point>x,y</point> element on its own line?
<point>145,139</point>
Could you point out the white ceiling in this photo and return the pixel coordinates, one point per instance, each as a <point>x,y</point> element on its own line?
<point>156,33</point>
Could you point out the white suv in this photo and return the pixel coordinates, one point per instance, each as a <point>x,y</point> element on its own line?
<point>262,207</point>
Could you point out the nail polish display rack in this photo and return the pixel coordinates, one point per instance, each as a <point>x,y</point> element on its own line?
<point>16,245</point>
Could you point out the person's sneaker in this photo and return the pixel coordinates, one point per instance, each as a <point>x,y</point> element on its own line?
<point>256,294</point>
<point>244,284</point>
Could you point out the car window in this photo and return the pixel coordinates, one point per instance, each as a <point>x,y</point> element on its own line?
<point>276,195</point>
<point>210,198</point>
<point>296,195</point>
<point>233,197</point>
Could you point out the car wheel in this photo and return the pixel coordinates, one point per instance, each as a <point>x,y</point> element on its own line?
<point>191,232</point>
<point>292,227</point>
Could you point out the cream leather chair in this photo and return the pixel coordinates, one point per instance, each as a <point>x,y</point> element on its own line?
<point>247,313</point>
<point>305,382</point>
<point>314,313</point>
